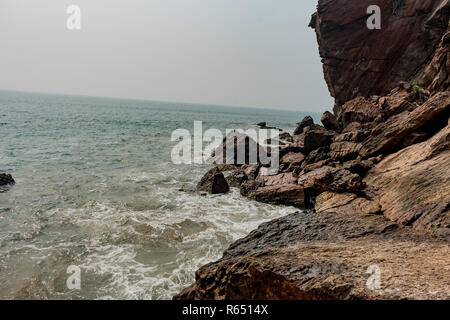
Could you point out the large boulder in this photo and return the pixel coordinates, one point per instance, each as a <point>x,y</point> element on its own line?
<point>213,182</point>
<point>330,122</point>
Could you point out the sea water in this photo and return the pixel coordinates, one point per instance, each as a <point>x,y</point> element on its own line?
<point>96,189</point>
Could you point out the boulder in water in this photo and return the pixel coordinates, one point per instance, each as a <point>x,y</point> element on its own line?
<point>6,179</point>
<point>213,182</point>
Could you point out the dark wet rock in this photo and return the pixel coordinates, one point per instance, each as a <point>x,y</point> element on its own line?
<point>243,174</point>
<point>213,182</point>
<point>306,122</point>
<point>321,153</point>
<point>290,148</point>
<point>6,179</point>
<point>330,122</point>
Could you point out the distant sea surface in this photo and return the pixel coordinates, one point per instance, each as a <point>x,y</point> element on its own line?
<point>96,188</point>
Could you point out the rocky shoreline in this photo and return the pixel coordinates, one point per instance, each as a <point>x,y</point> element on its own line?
<point>372,180</point>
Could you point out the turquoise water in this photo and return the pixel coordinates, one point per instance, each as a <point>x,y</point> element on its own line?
<point>96,188</point>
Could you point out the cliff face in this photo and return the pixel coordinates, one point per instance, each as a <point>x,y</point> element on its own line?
<point>374,179</point>
<point>362,62</point>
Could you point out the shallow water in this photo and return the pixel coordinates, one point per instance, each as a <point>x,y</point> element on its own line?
<point>96,189</point>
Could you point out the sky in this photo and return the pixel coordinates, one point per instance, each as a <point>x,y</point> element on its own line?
<point>256,53</point>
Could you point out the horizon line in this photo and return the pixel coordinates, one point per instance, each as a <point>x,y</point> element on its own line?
<point>150,100</point>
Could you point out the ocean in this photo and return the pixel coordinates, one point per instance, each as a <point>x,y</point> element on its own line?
<point>96,189</point>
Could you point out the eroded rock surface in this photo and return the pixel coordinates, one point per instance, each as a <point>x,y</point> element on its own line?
<point>327,256</point>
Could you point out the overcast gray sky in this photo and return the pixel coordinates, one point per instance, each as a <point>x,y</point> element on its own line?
<point>230,52</point>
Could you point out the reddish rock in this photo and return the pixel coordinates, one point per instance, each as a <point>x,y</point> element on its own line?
<point>346,146</point>
<point>291,160</point>
<point>278,179</point>
<point>413,184</point>
<point>435,76</point>
<point>359,166</point>
<point>388,135</point>
<point>396,103</point>
<point>345,150</point>
<point>328,178</point>
<point>316,137</point>
<point>358,110</point>
<point>362,62</point>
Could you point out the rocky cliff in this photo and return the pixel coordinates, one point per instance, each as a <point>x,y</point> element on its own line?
<point>410,46</point>
<point>373,180</point>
